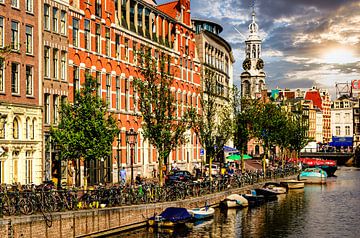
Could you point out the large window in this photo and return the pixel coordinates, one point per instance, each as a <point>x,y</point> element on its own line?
<point>76,79</point>
<point>2,77</point>
<point>347,130</point>
<point>117,46</point>
<point>98,8</point>
<point>337,130</point>
<point>98,80</point>
<point>28,168</point>
<point>75,32</point>
<point>29,80</point>
<point>118,93</point>
<point>126,44</point>
<point>29,6</point>
<point>27,129</point>
<point>55,19</point>
<point>108,90</point>
<point>107,41</point>
<point>46,61</point>
<point>55,63</point>
<point>15,78</point>
<point>87,34</point>
<point>16,128</point>
<point>46,17</point>
<point>63,66</point>
<point>1,32</point>
<point>15,35</point>
<point>63,22</point>
<point>56,108</point>
<point>15,3</point>
<point>47,108</point>
<point>29,39</point>
<point>98,38</point>
<point>127,94</point>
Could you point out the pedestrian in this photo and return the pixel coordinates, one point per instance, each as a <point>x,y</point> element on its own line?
<point>123,175</point>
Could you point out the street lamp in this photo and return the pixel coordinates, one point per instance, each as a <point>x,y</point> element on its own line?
<point>131,139</point>
<point>118,156</point>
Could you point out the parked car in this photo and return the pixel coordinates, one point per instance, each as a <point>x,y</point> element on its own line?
<point>215,169</point>
<point>179,175</point>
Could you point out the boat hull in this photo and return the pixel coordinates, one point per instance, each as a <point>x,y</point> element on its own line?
<point>293,184</point>
<point>254,200</point>
<point>268,194</point>
<point>235,201</point>
<point>313,175</point>
<point>202,213</point>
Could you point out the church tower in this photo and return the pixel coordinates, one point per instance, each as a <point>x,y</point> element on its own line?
<point>253,77</point>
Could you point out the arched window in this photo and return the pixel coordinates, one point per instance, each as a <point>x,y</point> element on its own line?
<point>27,128</point>
<point>247,87</point>
<point>33,129</point>
<point>16,129</point>
<point>261,85</point>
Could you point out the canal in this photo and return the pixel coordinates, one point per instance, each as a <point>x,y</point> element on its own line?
<point>331,210</point>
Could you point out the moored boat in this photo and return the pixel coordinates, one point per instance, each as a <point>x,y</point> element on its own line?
<point>313,175</point>
<point>293,184</point>
<point>269,195</point>
<point>235,201</point>
<point>202,213</point>
<point>254,200</point>
<point>276,187</point>
<point>330,166</point>
<point>171,216</point>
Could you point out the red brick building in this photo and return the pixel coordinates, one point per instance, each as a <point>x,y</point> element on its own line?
<point>20,93</point>
<point>103,36</point>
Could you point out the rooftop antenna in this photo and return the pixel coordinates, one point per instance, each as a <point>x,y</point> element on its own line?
<point>241,34</point>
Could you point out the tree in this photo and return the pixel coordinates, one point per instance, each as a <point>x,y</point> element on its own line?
<point>214,123</point>
<point>86,129</point>
<point>298,133</point>
<point>157,104</point>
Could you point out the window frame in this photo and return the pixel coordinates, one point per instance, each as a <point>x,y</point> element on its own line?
<point>75,33</point>
<point>15,36</point>
<point>29,84</point>
<point>55,64</point>
<point>29,37</point>
<point>46,17</point>
<point>2,30</point>
<point>55,19</point>
<point>63,16</point>
<point>46,61</point>
<point>29,6</point>
<point>15,82</point>
<point>87,34</point>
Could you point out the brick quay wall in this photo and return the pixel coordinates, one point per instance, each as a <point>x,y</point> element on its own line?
<point>100,221</point>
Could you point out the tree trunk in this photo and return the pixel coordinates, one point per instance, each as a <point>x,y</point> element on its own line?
<point>161,171</point>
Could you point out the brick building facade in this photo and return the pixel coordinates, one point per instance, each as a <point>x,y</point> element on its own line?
<point>20,93</point>
<point>103,38</point>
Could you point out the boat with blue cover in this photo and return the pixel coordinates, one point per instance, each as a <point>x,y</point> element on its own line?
<point>171,216</point>
<point>313,175</point>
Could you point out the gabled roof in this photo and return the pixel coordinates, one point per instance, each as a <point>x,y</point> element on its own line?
<point>314,96</point>
<point>169,9</point>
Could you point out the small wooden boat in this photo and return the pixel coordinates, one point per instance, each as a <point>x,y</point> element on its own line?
<point>292,184</point>
<point>313,175</point>
<point>254,200</point>
<point>202,213</point>
<point>170,217</point>
<point>235,201</point>
<point>276,187</point>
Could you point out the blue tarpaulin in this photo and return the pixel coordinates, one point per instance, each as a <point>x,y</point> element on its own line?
<point>341,141</point>
<point>175,214</point>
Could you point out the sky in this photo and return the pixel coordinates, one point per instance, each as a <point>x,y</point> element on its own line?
<point>305,42</point>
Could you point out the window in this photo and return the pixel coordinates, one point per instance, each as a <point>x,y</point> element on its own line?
<point>63,66</point>
<point>15,3</point>
<point>29,39</point>
<point>46,61</point>
<point>33,129</point>
<point>63,23</point>
<point>55,63</point>
<point>337,130</point>
<point>98,8</point>
<point>117,46</point>
<point>1,32</point>
<point>347,130</point>
<point>118,93</point>
<point>98,80</point>
<point>28,169</point>
<point>2,77</point>
<point>15,78</point>
<point>2,129</point>
<point>15,35</point>
<point>27,129</point>
<point>75,32</point>
<point>76,79</point>
<point>46,17</point>
<point>55,19</point>
<point>16,128</point>
<point>97,38</point>
<point>126,49</point>
<point>87,34</point>
<point>127,101</point>
<point>140,14</point>
<point>108,90</point>
<point>29,6</point>
<point>29,80</point>
<point>135,52</point>
<point>56,108</point>
<point>107,41</point>
<point>47,108</point>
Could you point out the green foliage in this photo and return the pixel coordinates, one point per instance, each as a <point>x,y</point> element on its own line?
<point>86,129</point>
<point>157,104</point>
<point>214,124</point>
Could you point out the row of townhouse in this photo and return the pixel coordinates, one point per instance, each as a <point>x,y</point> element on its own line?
<point>55,43</point>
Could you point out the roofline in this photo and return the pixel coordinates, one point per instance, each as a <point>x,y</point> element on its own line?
<point>219,38</point>
<point>212,22</point>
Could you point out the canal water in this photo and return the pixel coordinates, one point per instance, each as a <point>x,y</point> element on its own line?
<point>331,210</point>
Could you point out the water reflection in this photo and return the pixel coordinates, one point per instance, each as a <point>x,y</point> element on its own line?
<point>330,210</point>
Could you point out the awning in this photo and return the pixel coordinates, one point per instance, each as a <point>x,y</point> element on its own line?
<point>341,141</point>
<point>229,149</point>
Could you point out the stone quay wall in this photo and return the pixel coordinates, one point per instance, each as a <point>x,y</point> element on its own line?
<point>100,221</point>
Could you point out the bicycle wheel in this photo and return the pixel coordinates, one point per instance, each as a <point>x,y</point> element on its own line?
<point>26,207</point>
